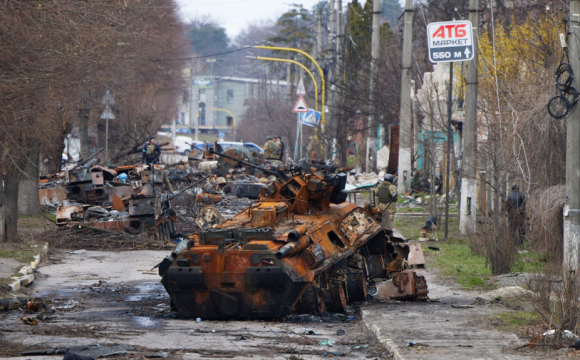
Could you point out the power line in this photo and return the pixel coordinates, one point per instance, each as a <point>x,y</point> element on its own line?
<point>246,47</point>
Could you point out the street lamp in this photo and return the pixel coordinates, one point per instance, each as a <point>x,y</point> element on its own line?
<point>313,61</point>
<point>298,125</point>
<point>233,119</point>
<point>296,63</point>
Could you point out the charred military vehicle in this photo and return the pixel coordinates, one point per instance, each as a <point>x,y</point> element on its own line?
<point>300,248</point>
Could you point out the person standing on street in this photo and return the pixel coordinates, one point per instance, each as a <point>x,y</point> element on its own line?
<point>516,206</point>
<point>386,196</point>
<point>151,153</point>
<point>270,148</point>
<point>281,146</point>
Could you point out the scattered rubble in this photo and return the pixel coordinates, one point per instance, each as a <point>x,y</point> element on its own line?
<point>136,199</point>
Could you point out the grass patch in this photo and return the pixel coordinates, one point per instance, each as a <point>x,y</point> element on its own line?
<point>530,262</point>
<point>410,227</point>
<point>456,261</point>
<point>49,216</point>
<point>411,210</point>
<point>519,318</point>
<point>18,255</point>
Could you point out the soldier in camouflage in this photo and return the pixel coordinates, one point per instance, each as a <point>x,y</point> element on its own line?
<point>151,152</point>
<point>270,149</point>
<point>386,196</point>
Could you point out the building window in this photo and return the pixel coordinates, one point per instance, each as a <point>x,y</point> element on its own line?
<point>202,95</point>
<point>230,121</point>
<point>230,96</point>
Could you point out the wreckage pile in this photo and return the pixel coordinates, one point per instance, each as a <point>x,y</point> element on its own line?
<point>123,198</point>
<point>136,199</point>
<point>300,247</point>
<point>267,238</point>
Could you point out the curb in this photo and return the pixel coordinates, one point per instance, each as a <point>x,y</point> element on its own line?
<point>389,344</point>
<point>26,275</point>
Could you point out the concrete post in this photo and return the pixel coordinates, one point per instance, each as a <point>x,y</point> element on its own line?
<point>371,165</point>
<point>319,37</point>
<point>468,210</point>
<point>193,106</point>
<point>84,114</point>
<point>332,23</point>
<point>572,204</point>
<point>405,111</point>
<point>339,32</point>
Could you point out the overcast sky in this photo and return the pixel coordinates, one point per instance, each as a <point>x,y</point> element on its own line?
<point>235,15</point>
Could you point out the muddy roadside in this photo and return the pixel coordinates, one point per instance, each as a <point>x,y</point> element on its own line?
<point>493,320</point>
<point>105,298</point>
<point>13,256</point>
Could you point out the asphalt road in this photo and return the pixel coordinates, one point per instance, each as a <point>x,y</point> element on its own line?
<point>114,297</point>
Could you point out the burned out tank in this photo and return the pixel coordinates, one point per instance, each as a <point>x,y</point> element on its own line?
<point>299,248</point>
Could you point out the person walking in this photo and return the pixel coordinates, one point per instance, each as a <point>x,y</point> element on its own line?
<point>516,207</point>
<point>151,152</point>
<point>386,196</point>
<point>281,146</point>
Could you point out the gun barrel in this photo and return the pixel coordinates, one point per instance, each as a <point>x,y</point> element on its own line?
<point>184,190</point>
<point>262,169</point>
<point>82,162</point>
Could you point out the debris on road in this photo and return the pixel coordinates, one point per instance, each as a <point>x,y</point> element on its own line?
<point>462,306</point>
<point>327,343</point>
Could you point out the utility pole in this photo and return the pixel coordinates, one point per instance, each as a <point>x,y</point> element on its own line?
<point>405,111</point>
<point>288,84</point>
<point>339,74</point>
<point>84,114</point>
<point>193,107</point>
<point>572,204</point>
<point>319,37</point>
<point>332,24</point>
<point>372,121</point>
<point>339,32</point>
<point>467,216</point>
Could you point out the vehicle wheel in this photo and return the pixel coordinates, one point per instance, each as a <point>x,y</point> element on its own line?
<point>186,152</point>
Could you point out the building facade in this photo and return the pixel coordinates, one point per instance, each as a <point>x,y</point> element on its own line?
<point>220,102</point>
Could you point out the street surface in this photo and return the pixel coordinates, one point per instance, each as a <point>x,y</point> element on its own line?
<point>110,298</point>
<point>115,297</point>
<point>441,331</point>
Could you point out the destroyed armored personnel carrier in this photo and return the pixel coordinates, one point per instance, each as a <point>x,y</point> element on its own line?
<point>300,248</point>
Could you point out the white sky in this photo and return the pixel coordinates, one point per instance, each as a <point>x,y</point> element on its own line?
<point>235,15</point>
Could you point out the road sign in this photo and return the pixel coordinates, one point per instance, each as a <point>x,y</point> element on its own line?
<point>450,41</point>
<point>300,90</point>
<point>108,99</point>
<point>300,106</point>
<point>311,118</point>
<point>107,114</point>
<point>221,135</point>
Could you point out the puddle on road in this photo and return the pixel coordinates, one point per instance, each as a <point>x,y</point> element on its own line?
<point>145,321</point>
<point>150,291</point>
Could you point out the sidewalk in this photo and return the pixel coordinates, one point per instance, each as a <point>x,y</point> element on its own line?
<point>439,330</point>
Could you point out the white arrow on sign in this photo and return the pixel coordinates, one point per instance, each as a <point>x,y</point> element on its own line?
<point>300,106</point>
<point>312,118</point>
<point>467,52</point>
<point>301,90</point>
<point>107,114</point>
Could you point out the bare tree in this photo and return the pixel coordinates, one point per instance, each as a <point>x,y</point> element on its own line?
<point>54,52</point>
